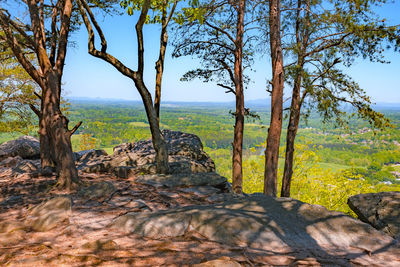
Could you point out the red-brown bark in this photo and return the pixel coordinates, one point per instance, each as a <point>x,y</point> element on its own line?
<point>274,131</point>
<point>161,58</point>
<point>237,172</point>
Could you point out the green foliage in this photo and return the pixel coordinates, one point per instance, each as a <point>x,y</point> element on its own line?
<point>311,183</point>
<point>374,167</point>
<point>191,10</point>
<point>212,40</point>
<point>16,94</point>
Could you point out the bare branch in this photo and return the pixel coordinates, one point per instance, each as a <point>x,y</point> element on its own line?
<point>71,132</point>
<point>101,54</point>
<point>63,38</point>
<point>37,95</point>
<point>230,89</point>
<point>54,34</point>
<point>35,110</point>
<point>220,30</point>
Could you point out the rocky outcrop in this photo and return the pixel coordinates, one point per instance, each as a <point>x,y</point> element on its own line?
<point>381,210</point>
<point>186,155</point>
<point>27,147</point>
<point>260,222</point>
<point>15,166</point>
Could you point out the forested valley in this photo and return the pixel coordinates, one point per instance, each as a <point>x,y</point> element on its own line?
<point>331,163</point>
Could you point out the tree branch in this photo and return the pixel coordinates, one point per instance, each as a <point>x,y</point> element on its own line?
<point>35,110</point>
<point>71,132</point>
<point>101,54</point>
<point>139,34</point>
<point>230,89</point>
<point>63,38</point>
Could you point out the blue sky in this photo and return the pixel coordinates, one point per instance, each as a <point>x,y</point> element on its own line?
<point>86,76</point>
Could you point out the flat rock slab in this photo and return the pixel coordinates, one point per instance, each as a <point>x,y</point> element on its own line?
<point>202,191</point>
<point>263,223</point>
<point>49,214</point>
<point>183,180</point>
<point>381,210</point>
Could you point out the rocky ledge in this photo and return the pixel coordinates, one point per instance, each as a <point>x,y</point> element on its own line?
<point>189,218</point>
<point>381,210</point>
<point>186,155</point>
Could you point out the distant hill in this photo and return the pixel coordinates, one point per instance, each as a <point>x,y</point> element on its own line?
<point>252,104</point>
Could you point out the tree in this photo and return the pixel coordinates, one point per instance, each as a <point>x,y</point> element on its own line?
<point>159,143</point>
<point>16,95</point>
<point>46,37</point>
<point>275,128</point>
<point>324,38</point>
<point>218,39</point>
<point>163,12</point>
<point>50,54</point>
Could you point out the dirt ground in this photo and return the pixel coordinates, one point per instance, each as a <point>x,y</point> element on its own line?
<point>85,239</point>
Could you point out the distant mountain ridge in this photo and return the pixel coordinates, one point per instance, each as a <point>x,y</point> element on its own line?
<point>253,103</point>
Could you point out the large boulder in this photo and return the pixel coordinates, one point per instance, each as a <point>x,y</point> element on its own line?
<point>93,161</point>
<point>262,222</point>
<point>381,210</point>
<point>27,147</point>
<point>186,154</point>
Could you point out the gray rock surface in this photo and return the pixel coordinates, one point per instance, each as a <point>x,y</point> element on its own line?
<point>185,152</point>
<point>27,147</point>
<point>184,180</point>
<point>26,166</point>
<point>99,191</point>
<point>11,161</point>
<point>49,214</point>
<point>260,222</point>
<point>381,210</point>
<point>87,155</point>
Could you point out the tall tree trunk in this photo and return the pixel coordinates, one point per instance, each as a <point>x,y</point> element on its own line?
<point>302,36</point>
<point>160,62</point>
<point>274,131</point>
<point>291,135</point>
<point>237,173</point>
<point>47,158</point>
<point>55,126</point>
<point>159,144</point>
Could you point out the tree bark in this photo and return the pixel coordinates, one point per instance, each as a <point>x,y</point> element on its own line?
<point>55,127</point>
<point>290,137</point>
<point>160,62</point>
<point>302,36</point>
<point>274,132</point>
<point>47,159</point>
<point>159,144</point>
<point>237,172</point>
